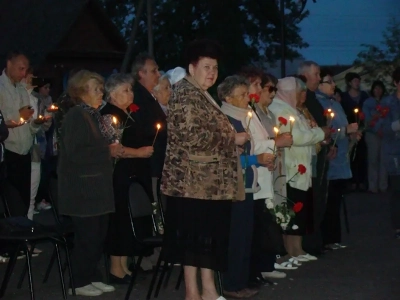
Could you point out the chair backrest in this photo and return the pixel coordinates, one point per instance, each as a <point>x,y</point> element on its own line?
<point>140,204</point>
<point>12,201</point>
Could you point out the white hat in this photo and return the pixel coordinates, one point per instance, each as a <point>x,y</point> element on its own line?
<point>176,75</point>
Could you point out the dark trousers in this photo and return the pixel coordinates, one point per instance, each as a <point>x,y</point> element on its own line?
<point>241,234</point>
<point>49,168</point>
<point>395,201</point>
<point>90,234</point>
<point>359,164</point>
<point>312,243</point>
<point>19,175</point>
<point>261,260</point>
<point>331,226</point>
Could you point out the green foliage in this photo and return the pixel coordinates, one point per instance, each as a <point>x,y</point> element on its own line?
<point>249,30</point>
<point>380,61</point>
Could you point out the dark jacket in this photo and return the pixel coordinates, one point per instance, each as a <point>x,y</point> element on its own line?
<point>3,137</point>
<point>149,114</point>
<point>315,108</point>
<point>349,105</point>
<point>85,186</point>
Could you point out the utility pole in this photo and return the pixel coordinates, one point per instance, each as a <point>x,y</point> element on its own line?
<point>150,37</point>
<point>131,45</point>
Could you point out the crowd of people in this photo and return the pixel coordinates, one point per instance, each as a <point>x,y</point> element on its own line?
<point>253,187</point>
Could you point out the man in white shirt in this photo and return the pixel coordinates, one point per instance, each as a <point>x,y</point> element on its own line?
<point>17,113</point>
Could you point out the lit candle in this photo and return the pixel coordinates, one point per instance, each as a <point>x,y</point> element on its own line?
<point>337,134</point>
<point>21,120</point>
<point>115,121</point>
<point>329,110</point>
<point>52,108</point>
<point>276,136</point>
<point>115,125</point>
<point>356,113</point>
<point>291,119</point>
<point>158,128</point>
<point>250,115</point>
<point>332,115</point>
<point>40,117</point>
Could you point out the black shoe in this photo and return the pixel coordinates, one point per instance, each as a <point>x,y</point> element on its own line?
<point>116,280</point>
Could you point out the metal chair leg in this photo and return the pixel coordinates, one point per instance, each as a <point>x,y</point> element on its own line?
<point>133,278</point>
<point>9,270</point>
<point>51,263</point>
<point>153,279</point>
<point>60,270</point>
<point>71,278</point>
<point>160,280</point>
<point>28,254</point>
<point>219,277</point>
<point>169,273</point>
<point>180,277</point>
<point>25,269</point>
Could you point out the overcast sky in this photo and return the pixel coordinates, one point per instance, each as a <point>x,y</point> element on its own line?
<point>335,29</point>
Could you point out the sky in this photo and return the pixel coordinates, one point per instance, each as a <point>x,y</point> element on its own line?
<point>336,29</point>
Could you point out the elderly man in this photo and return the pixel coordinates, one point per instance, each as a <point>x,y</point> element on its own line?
<point>311,71</point>
<point>17,113</point>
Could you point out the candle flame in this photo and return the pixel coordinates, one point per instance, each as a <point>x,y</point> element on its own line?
<point>332,115</point>
<point>291,119</point>
<point>250,114</point>
<point>329,110</point>
<point>356,110</point>
<point>40,116</point>
<point>276,130</point>
<point>338,129</point>
<point>115,120</point>
<point>22,120</point>
<point>158,126</point>
<point>52,106</point>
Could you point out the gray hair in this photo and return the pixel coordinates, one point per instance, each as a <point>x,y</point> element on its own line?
<point>138,64</point>
<point>300,85</point>
<point>227,86</point>
<point>116,80</point>
<point>305,67</point>
<point>161,79</point>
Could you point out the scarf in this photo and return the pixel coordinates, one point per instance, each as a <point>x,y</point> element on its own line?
<point>103,126</point>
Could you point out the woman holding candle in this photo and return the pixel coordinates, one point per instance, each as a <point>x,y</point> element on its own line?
<point>290,95</point>
<point>133,162</point>
<point>233,92</point>
<point>202,174</point>
<point>85,187</point>
<point>339,171</point>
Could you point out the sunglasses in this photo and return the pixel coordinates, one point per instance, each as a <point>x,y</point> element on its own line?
<point>271,89</point>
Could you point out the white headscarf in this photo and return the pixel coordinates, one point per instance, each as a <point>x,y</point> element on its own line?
<point>287,91</point>
<point>176,75</point>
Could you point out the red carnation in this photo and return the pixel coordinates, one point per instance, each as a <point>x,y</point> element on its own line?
<point>282,120</point>
<point>378,107</point>
<point>333,130</point>
<point>361,115</point>
<point>301,169</point>
<point>254,98</point>
<point>384,111</point>
<point>327,112</point>
<point>298,207</point>
<point>133,108</point>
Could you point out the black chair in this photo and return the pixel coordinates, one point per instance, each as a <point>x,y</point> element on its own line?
<point>20,233</point>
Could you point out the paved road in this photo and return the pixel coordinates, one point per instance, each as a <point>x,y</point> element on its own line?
<point>369,269</point>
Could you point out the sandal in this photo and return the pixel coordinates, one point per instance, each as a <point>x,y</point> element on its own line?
<point>287,265</point>
<point>295,261</point>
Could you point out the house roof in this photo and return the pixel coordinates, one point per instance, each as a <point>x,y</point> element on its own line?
<point>36,27</point>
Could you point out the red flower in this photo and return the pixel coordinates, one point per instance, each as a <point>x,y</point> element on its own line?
<point>254,98</point>
<point>361,116</point>
<point>378,107</point>
<point>301,169</point>
<point>298,207</point>
<point>282,120</point>
<point>333,130</point>
<point>133,108</point>
<point>327,112</point>
<point>384,111</point>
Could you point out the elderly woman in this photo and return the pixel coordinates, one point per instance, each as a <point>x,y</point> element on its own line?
<point>162,92</point>
<point>339,171</point>
<point>233,91</point>
<point>85,188</point>
<point>133,162</point>
<point>202,174</point>
<point>298,158</point>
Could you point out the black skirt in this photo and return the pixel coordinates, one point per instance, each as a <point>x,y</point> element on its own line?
<point>304,218</point>
<point>197,232</point>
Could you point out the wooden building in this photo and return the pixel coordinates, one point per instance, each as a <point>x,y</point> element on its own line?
<point>59,36</point>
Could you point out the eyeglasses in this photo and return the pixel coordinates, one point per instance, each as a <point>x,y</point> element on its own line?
<point>271,88</point>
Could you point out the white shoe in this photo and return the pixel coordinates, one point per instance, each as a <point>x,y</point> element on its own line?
<point>105,288</point>
<point>285,266</point>
<point>308,257</point>
<point>274,274</point>
<point>340,246</point>
<point>221,298</point>
<point>301,258</point>
<point>87,290</point>
<point>295,262</point>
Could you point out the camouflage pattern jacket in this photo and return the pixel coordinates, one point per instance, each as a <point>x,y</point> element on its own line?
<point>201,159</point>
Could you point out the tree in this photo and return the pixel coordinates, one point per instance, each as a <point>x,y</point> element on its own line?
<point>249,30</point>
<point>380,61</point>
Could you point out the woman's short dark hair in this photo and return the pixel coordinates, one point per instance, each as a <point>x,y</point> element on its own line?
<point>380,84</point>
<point>198,49</point>
<point>267,78</point>
<point>396,75</point>
<point>325,72</point>
<point>251,73</point>
<point>350,76</point>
